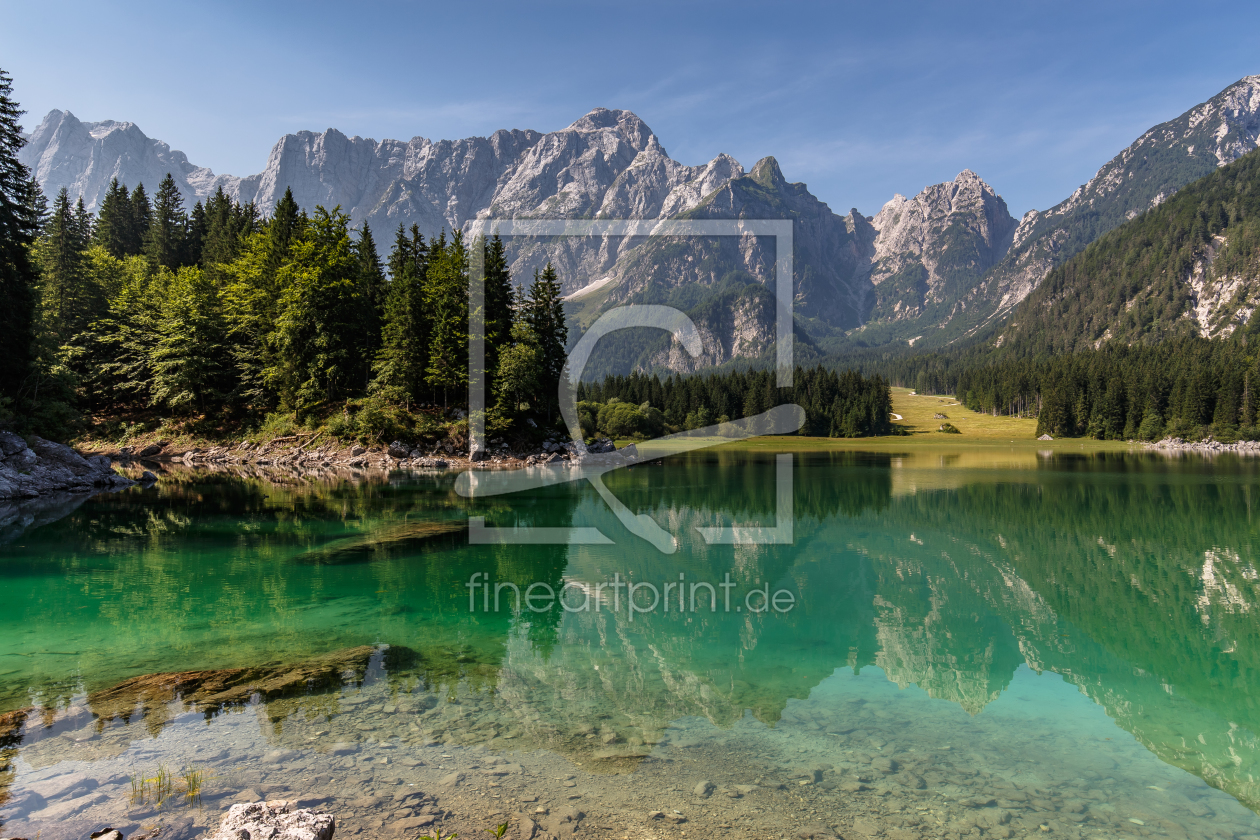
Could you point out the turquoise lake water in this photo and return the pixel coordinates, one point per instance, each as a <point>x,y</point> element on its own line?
<point>967,637</point>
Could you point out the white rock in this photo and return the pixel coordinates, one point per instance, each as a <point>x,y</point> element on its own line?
<point>276,820</point>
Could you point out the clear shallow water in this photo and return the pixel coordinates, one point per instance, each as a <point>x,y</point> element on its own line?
<point>979,646</point>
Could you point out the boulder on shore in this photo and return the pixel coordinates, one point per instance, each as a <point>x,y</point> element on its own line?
<point>275,820</point>
<point>47,467</point>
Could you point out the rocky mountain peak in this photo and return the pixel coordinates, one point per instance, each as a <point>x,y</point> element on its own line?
<point>626,124</point>
<point>767,173</point>
<point>83,157</point>
<point>929,248</point>
<point>911,226</point>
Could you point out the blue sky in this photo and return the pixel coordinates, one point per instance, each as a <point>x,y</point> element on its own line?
<point>858,100</point>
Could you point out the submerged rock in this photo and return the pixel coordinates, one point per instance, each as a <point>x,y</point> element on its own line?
<point>212,690</point>
<point>276,820</point>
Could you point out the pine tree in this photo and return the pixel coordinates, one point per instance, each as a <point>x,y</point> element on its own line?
<point>545,313</point>
<point>141,219</point>
<point>399,368</point>
<point>19,226</point>
<point>113,222</point>
<point>254,285</point>
<point>166,240</point>
<point>1248,411</point>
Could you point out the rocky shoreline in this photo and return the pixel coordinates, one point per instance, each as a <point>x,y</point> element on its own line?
<point>42,468</point>
<point>313,452</point>
<point>1207,445</point>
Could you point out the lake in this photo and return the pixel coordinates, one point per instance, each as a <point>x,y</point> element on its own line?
<point>945,644</point>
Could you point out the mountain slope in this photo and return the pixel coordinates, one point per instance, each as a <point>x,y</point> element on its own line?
<point>829,250</point>
<point>1189,266</point>
<point>1160,162</point>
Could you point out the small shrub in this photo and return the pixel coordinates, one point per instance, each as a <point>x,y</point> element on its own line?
<point>949,429</point>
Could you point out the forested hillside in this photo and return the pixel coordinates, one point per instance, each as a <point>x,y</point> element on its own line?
<point>1190,266</point>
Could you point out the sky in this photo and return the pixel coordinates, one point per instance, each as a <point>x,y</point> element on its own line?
<point>857,100</point>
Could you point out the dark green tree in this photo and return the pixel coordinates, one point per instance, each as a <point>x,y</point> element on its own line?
<point>195,236</point>
<point>287,225</point>
<point>399,368</point>
<point>141,219</point>
<point>191,365</point>
<point>166,242</point>
<point>498,307</point>
<point>114,221</point>
<point>446,302</point>
<point>70,300</point>
<point>227,224</point>
<point>84,224</point>
<point>372,297</point>
<point>19,226</point>
<point>317,359</point>
<point>544,310</point>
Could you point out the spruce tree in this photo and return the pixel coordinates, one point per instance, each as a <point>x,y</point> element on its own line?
<point>196,235</point>
<point>372,296</point>
<point>84,224</point>
<point>191,365</point>
<point>286,225</point>
<point>227,225</point>
<point>446,300</point>
<point>545,313</point>
<point>141,219</point>
<point>1247,413</point>
<point>399,368</point>
<point>498,307</point>
<point>370,270</point>
<point>69,302</point>
<point>19,226</point>
<point>113,222</point>
<point>317,359</point>
<point>253,286</point>
<point>166,240</point>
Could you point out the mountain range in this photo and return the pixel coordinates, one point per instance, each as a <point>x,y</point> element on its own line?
<point>947,264</point>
